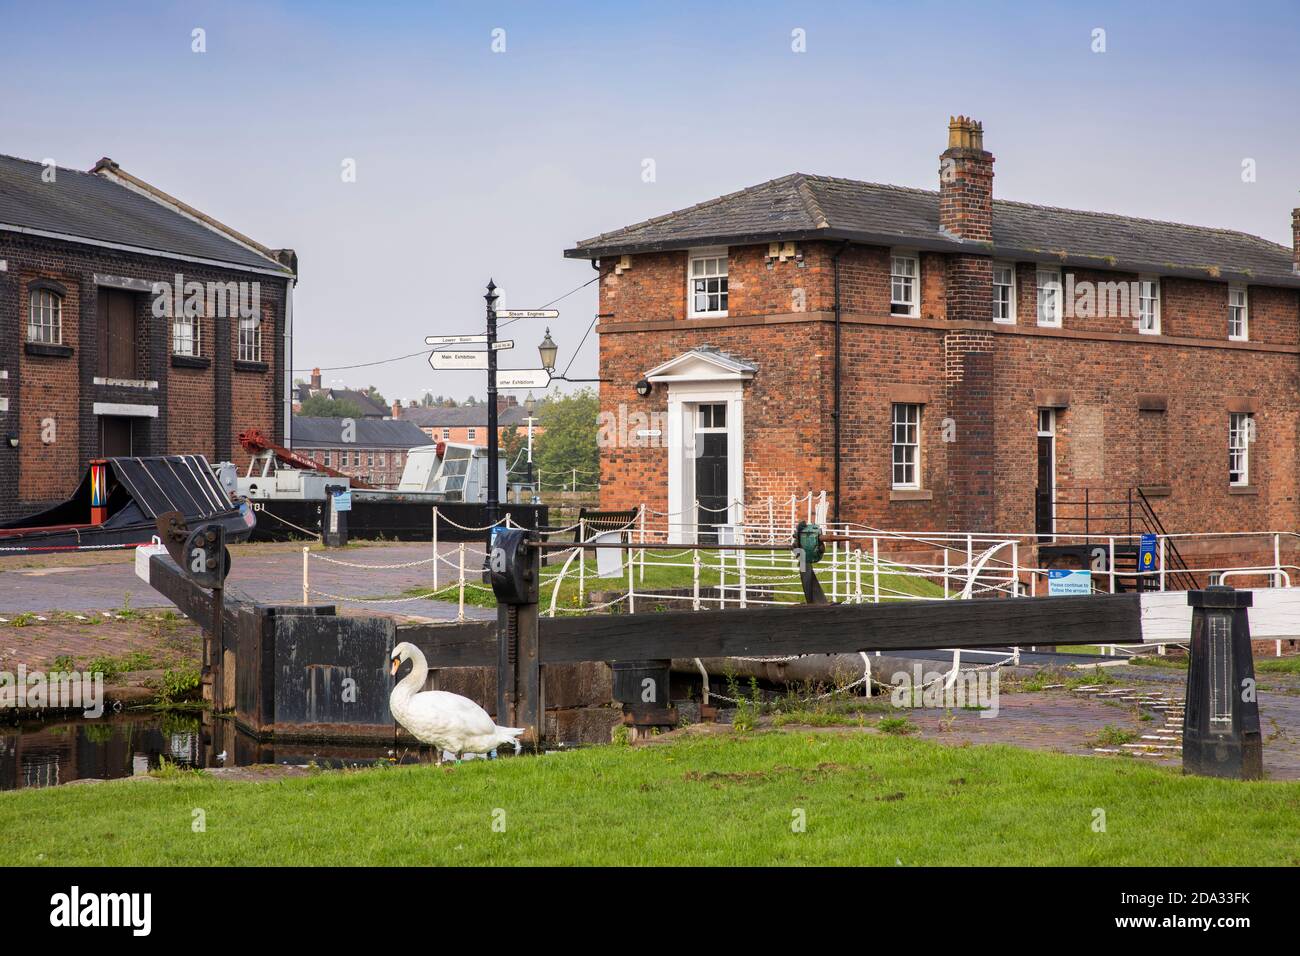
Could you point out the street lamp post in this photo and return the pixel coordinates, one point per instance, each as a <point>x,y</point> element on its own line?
<point>530,403</point>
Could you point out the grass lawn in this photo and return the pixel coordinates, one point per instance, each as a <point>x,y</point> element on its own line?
<point>674,571</point>
<point>718,799</point>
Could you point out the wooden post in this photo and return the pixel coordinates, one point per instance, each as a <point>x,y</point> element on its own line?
<point>460,607</point>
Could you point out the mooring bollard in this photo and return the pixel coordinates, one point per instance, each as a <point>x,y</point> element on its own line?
<point>642,688</point>
<point>1221,713</point>
<point>334,523</point>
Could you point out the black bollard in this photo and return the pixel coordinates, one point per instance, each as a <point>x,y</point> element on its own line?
<point>514,569</point>
<point>334,523</point>
<point>642,688</point>
<point>1221,717</point>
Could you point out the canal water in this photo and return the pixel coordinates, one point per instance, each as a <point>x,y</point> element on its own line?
<point>111,748</point>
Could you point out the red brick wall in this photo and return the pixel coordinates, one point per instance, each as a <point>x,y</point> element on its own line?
<point>50,392</point>
<point>985,478</point>
<point>253,392</point>
<point>191,396</point>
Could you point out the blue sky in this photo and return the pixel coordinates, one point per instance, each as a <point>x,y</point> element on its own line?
<point>472,163</point>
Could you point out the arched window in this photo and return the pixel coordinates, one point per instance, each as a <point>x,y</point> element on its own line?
<point>45,317</point>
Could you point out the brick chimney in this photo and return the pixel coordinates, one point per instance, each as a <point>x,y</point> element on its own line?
<point>966,212</point>
<point>506,401</point>
<point>1295,239</point>
<point>397,408</point>
<point>966,182</point>
<point>315,378</point>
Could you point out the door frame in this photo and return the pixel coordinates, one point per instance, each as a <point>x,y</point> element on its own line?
<point>1049,433</point>
<point>684,399</point>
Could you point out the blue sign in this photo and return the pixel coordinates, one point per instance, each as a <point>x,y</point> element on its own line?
<point>1147,553</point>
<point>1061,581</point>
<point>343,501</point>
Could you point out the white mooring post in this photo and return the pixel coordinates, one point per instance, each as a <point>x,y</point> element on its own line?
<point>643,542</point>
<point>1015,573</point>
<point>306,590</point>
<point>460,604</point>
<point>740,557</point>
<point>695,580</point>
<point>858,589</point>
<point>875,570</point>
<point>793,514</point>
<point>1112,565</point>
<point>582,561</point>
<point>945,570</point>
<point>435,548</point>
<point>631,586</point>
<point>722,578</point>
<point>1162,573</point>
<point>835,572</point>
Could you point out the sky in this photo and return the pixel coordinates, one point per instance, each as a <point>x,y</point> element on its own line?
<point>489,137</point>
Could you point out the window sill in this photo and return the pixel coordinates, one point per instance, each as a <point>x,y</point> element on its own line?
<point>1242,490</point>
<point>910,494</point>
<point>48,350</point>
<point>241,366</point>
<point>707,315</point>
<point>1049,325</point>
<point>190,361</point>
<point>1156,491</point>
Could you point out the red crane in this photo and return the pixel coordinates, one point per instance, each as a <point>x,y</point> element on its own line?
<point>255,443</point>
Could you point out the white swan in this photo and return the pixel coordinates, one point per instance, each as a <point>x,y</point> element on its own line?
<point>450,722</point>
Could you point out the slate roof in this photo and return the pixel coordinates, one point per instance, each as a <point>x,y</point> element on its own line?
<point>369,407</point>
<point>463,416</point>
<point>805,207</point>
<point>89,206</point>
<point>370,433</point>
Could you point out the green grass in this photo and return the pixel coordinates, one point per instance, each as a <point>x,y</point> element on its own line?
<point>1277,665</point>
<point>680,575</point>
<point>729,800</point>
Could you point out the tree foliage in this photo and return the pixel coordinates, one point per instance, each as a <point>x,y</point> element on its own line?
<point>318,406</point>
<point>569,441</point>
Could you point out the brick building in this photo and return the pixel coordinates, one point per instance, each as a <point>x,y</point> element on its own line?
<point>130,323</point>
<point>372,450</point>
<point>305,390</point>
<point>467,424</point>
<point>941,360</point>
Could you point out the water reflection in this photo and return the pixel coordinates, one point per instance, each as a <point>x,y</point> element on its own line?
<point>110,748</point>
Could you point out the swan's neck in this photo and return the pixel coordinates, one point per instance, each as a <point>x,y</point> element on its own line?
<point>413,682</point>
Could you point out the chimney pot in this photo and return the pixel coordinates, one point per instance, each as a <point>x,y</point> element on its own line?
<point>397,408</point>
<point>315,378</point>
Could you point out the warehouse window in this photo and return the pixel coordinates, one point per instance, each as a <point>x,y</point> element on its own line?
<point>906,421</point>
<point>1238,329</point>
<point>1049,296</point>
<point>471,434</point>
<point>904,295</point>
<point>1241,431</point>
<point>1149,306</point>
<point>250,340</point>
<point>707,278</point>
<point>185,335</point>
<point>45,317</point>
<point>1004,293</point>
<point>446,433</point>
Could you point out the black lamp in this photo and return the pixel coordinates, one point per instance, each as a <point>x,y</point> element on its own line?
<point>13,441</point>
<point>644,387</point>
<point>548,350</point>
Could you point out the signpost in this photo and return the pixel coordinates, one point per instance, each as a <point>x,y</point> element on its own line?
<point>1064,581</point>
<point>459,360</point>
<point>486,360</point>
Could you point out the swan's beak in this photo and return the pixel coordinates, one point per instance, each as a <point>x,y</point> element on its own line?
<point>396,664</point>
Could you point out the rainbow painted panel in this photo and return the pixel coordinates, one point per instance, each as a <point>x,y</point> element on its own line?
<point>97,490</point>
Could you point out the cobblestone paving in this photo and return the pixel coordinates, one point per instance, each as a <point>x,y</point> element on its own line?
<point>272,577</point>
<point>1066,722</point>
